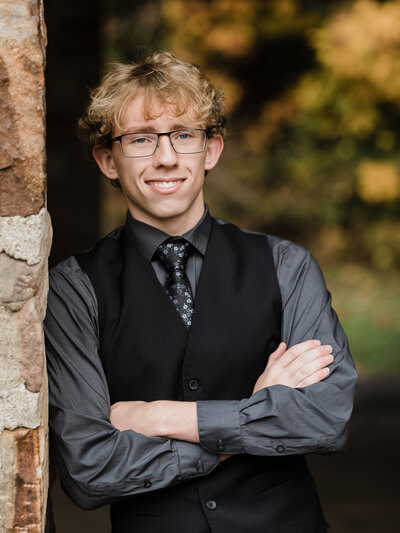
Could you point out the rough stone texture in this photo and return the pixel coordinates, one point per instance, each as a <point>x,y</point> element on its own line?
<point>23,392</point>
<point>22,237</point>
<point>24,453</point>
<point>25,236</point>
<point>22,42</point>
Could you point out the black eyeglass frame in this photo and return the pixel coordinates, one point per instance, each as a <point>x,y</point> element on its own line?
<point>169,133</point>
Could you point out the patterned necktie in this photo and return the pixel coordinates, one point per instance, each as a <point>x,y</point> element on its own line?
<point>174,256</point>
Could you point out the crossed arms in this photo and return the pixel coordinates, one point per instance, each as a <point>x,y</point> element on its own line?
<point>300,366</point>
<point>99,464</point>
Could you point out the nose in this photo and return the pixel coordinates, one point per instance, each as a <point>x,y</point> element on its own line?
<point>165,155</point>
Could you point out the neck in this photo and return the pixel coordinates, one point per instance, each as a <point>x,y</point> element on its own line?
<point>172,226</point>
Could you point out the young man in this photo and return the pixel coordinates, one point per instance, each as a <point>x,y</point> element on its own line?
<point>172,396</point>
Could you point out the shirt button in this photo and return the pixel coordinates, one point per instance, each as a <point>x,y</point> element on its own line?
<point>211,505</point>
<point>194,384</point>
<point>220,446</point>
<point>147,484</point>
<point>280,448</point>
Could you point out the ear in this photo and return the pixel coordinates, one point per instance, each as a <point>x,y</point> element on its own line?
<point>104,158</point>
<point>215,145</point>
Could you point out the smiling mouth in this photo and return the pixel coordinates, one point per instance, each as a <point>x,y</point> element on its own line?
<point>165,186</point>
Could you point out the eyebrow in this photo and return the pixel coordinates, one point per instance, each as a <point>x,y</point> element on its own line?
<point>151,129</point>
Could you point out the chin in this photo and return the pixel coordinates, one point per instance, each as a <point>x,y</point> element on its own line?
<point>170,214</point>
<point>170,208</point>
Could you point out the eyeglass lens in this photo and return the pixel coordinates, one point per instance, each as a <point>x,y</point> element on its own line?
<point>144,144</point>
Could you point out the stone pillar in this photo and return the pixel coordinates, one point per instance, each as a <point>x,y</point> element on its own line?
<point>25,235</point>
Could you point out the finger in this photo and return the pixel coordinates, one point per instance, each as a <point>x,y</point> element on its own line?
<point>279,351</point>
<point>318,376</point>
<point>298,349</point>
<point>312,357</point>
<point>317,365</point>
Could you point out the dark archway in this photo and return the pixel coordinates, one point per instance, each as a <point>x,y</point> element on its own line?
<point>73,66</point>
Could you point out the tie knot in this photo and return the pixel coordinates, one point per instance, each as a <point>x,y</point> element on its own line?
<point>174,254</point>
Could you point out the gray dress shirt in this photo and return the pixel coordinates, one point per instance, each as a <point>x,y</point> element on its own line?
<point>99,464</point>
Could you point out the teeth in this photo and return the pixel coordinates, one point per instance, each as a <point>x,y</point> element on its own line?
<point>165,184</point>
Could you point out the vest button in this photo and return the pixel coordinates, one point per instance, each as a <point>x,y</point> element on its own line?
<point>194,384</point>
<point>211,505</point>
<point>147,484</point>
<point>280,448</point>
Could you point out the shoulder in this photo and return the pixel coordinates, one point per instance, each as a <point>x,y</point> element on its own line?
<point>69,281</point>
<point>67,270</point>
<point>71,266</point>
<point>288,256</point>
<point>69,286</point>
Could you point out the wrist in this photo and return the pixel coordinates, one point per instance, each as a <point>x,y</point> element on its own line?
<point>163,418</point>
<point>177,420</point>
<point>158,417</point>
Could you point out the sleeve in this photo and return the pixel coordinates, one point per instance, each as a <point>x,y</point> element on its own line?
<point>282,420</point>
<point>99,464</point>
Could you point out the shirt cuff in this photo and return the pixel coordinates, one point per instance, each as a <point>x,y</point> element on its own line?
<point>219,427</point>
<point>193,460</point>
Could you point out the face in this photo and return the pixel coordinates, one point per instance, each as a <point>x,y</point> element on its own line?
<point>164,190</point>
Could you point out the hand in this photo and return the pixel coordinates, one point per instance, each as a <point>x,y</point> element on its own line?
<point>161,418</point>
<point>300,366</point>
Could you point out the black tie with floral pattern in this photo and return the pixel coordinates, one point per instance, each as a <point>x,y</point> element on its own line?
<point>174,256</point>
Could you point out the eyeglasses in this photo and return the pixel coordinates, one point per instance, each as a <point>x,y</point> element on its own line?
<point>144,144</point>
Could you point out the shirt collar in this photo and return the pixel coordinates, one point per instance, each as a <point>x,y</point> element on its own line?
<point>148,238</point>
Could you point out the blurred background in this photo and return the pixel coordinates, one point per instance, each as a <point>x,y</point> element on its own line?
<point>312,155</point>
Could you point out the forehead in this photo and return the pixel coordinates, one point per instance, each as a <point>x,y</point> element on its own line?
<point>139,113</point>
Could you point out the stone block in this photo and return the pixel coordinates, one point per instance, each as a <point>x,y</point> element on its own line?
<point>22,107</point>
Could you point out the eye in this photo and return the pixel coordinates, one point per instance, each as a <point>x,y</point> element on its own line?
<point>139,139</point>
<point>184,135</point>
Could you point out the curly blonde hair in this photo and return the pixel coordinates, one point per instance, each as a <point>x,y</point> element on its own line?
<point>163,80</point>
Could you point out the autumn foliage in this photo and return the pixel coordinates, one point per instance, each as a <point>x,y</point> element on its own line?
<point>313,94</point>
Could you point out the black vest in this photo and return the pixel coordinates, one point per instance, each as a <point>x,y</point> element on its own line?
<point>148,354</point>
